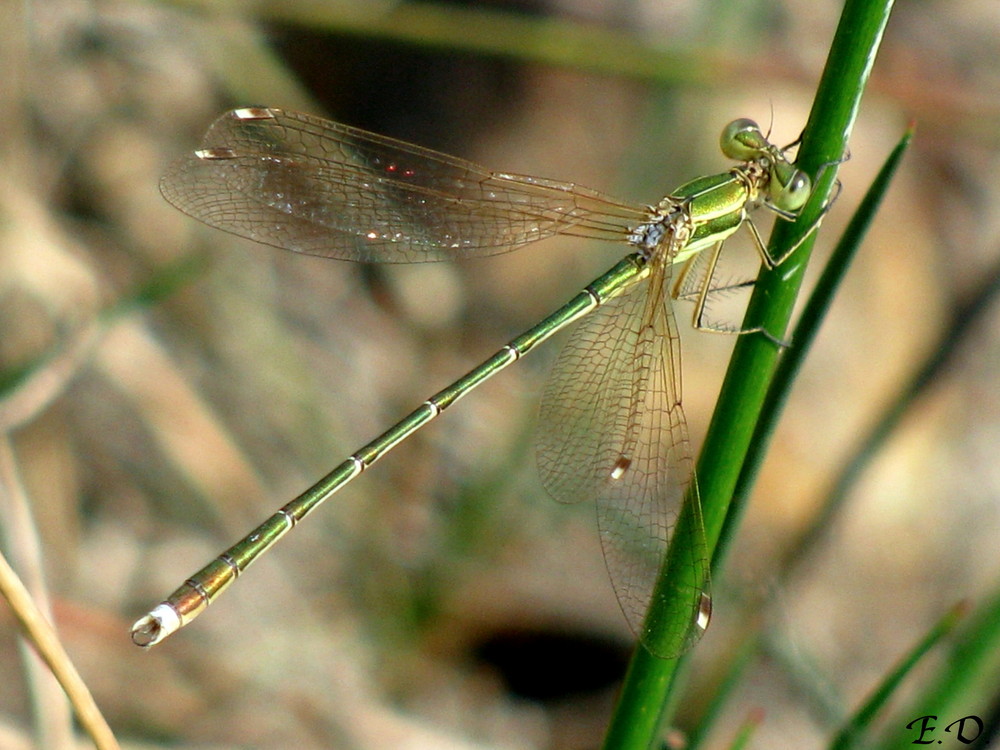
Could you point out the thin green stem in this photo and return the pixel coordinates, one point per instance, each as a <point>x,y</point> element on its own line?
<point>941,353</point>
<point>528,38</point>
<point>964,684</point>
<point>649,681</point>
<point>805,333</point>
<point>860,722</point>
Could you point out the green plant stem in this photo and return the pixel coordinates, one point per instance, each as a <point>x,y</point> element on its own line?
<point>639,714</point>
<point>941,353</point>
<point>861,720</point>
<point>559,42</point>
<point>747,729</point>
<point>966,683</point>
<point>737,663</point>
<point>805,333</point>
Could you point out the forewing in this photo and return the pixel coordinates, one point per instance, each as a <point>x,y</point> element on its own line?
<point>314,186</point>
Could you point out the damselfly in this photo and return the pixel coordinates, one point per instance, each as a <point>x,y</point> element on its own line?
<point>611,428</point>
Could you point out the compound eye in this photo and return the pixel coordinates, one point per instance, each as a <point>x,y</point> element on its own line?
<point>742,140</point>
<point>790,188</point>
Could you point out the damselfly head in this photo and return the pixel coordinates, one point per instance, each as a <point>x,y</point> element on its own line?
<point>742,140</point>
<point>790,187</point>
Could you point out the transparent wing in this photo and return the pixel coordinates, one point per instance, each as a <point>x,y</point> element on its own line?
<point>318,187</point>
<point>719,284</point>
<point>611,429</point>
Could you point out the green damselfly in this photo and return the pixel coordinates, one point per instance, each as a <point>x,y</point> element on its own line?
<point>611,428</point>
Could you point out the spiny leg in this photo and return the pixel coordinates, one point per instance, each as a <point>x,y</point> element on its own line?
<point>695,284</point>
<point>682,289</point>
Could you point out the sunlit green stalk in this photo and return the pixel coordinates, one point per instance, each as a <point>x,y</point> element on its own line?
<point>649,681</point>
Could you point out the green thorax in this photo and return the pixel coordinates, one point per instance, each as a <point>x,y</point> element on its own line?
<point>716,205</point>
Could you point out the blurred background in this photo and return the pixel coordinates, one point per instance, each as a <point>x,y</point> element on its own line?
<point>165,386</point>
